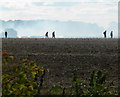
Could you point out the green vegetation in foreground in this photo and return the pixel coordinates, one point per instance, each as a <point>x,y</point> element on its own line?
<point>26,78</point>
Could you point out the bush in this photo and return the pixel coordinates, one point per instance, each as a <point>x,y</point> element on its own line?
<point>20,78</point>
<point>26,78</point>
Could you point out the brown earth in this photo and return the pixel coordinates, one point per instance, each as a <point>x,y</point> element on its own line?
<point>61,57</point>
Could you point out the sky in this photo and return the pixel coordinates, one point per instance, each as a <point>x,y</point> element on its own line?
<point>100,12</point>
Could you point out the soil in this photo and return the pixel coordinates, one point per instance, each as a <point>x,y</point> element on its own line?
<point>61,57</point>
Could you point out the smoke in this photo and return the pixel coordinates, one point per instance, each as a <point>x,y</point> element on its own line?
<point>113,26</point>
<point>11,33</point>
<point>65,29</point>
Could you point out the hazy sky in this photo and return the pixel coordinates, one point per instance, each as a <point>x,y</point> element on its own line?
<point>100,12</point>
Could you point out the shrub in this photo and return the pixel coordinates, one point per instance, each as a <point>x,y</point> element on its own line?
<point>20,78</point>
<point>26,78</point>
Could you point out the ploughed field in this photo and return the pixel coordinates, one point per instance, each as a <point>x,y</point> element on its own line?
<point>61,57</point>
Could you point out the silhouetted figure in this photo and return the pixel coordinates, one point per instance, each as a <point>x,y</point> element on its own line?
<point>111,34</point>
<point>5,34</point>
<point>53,34</point>
<point>46,34</point>
<point>104,34</point>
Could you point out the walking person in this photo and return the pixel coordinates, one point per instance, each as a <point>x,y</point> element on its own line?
<point>104,34</point>
<point>46,35</point>
<point>111,34</point>
<point>53,34</point>
<point>5,34</point>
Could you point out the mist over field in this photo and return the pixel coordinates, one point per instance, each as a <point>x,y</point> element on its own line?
<point>78,19</point>
<point>63,29</point>
<point>59,47</point>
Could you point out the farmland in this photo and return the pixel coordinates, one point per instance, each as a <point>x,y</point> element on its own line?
<point>61,57</point>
